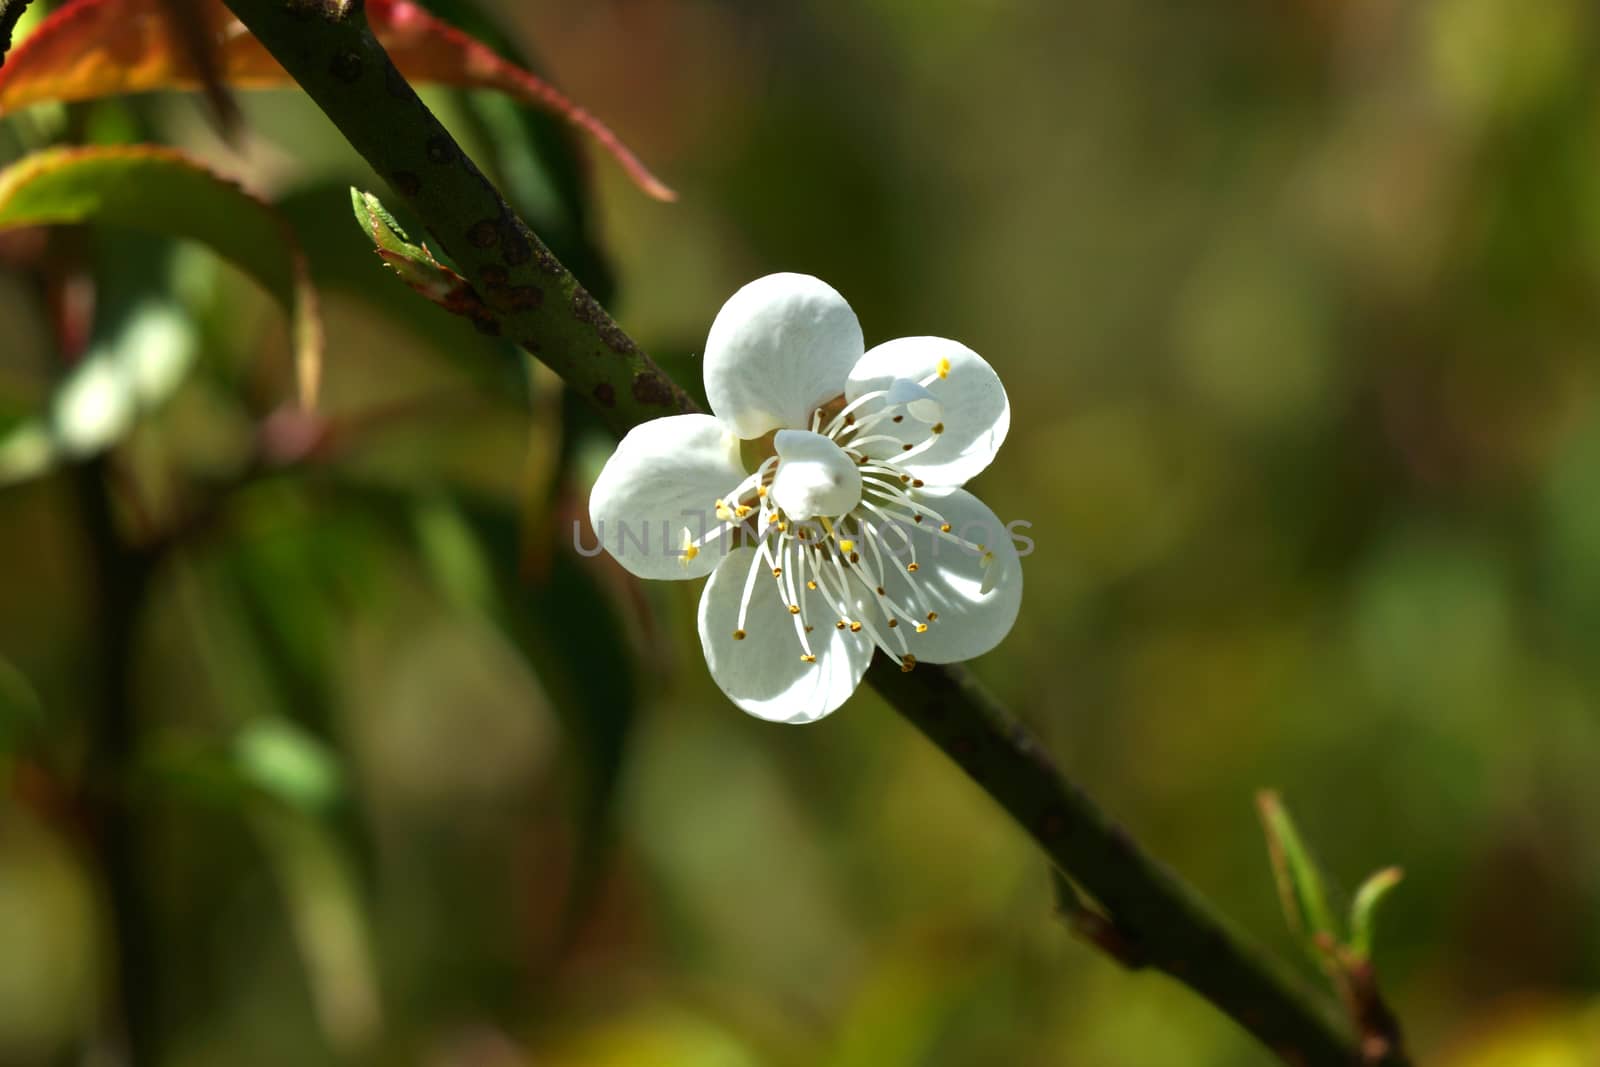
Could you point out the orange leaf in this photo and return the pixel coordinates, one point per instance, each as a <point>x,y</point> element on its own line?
<point>94,48</point>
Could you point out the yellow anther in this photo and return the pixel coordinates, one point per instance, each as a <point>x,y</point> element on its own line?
<point>855,627</point>
<point>738,635</point>
<point>912,567</point>
<point>944,368</point>
<point>689,553</point>
<point>811,585</point>
<point>724,512</point>
<point>741,511</point>
<point>777,572</point>
<point>846,545</point>
<point>808,659</point>
<point>761,491</point>
<point>783,527</point>
<point>944,527</point>
<point>794,609</point>
<point>839,625</point>
<point>922,627</point>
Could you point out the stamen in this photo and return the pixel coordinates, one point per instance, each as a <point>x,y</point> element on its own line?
<point>908,662</point>
<point>749,589</point>
<point>841,606</point>
<point>841,576</point>
<point>845,416</point>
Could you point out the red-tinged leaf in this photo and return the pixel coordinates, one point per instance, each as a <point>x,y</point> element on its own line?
<point>95,48</point>
<point>160,190</point>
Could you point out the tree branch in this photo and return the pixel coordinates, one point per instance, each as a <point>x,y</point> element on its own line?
<point>326,46</point>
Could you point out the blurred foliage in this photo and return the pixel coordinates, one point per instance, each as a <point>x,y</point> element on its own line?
<point>1296,308</point>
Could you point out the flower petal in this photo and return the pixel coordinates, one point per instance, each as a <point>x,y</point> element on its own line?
<point>976,414</point>
<point>666,475</point>
<point>779,347</point>
<point>975,598</point>
<point>763,673</point>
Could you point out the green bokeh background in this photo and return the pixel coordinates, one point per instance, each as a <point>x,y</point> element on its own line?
<point>1296,307</point>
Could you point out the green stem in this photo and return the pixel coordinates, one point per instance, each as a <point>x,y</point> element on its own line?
<point>328,48</point>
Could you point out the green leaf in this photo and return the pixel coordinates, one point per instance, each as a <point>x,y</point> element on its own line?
<point>1301,888</point>
<point>159,190</point>
<point>1364,909</point>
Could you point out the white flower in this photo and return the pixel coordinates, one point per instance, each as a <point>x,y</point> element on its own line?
<point>851,533</point>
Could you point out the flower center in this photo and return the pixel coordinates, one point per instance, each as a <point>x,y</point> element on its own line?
<point>814,476</point>
<point>830,515</point>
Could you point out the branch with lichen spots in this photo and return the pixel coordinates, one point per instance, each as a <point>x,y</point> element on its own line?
<point>1157,920</point>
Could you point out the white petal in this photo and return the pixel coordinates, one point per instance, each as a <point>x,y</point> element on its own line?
<point>779,347</point>
<point>763,673</point>
<point>976,599</point>
<point>665,475</point>
<point>976,416</point>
